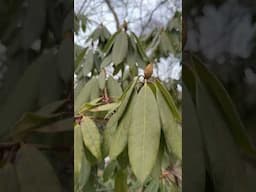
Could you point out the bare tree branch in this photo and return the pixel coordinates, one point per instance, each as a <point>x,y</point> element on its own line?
<point>111,8</point>
<point>151,16</point>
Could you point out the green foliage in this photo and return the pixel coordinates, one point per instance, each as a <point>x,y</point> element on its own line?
<point>134,124</point>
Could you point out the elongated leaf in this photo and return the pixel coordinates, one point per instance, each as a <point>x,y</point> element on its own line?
<point>82,167</point>
<point>120,48</point>
<point>220,145</point>
<point>194,170</point>
<point>88,65</point>
<point>225,102</point>
<point>8,178</point>
<point>140,48</point>
<point>91,137</point>
<point>28,90</point>
<point>144,134</point>
<point>114,88</point>
<point>102,80</point>
<point>110,42</point>
<point>106,61</point>
<point>113,122</point>
<point>34,22</point>
<point>35,172</point>
<point>165,44</point>
<point>84,95</point>
<point>50,88</point>
<point>120,139</point>
<point>169,100</point>
<point>109,170</point>
<point>79,58</point>
<point>52,107</point>
<point>95,91</point>
<point>171,129</point>
<point>121,181</point>
<point>65,60</point>
<point>105,107</point>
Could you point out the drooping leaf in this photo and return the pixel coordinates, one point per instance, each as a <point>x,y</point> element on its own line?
<point>110,43</point>
<point>34,22</point>
<point>88,64</point>
<point>50,88</point>
<point>194,170</point>
<point>106,107</point>
<point>106,61</point>
<point>140,48</point>
<point>120,138</point>
<point>110,170</point>
<point>220,145</point>
<point>153,186</point>
<point>169,100</point>
<point>225,102</point>
<point>95,91</point>
<point>144,134</point>
<point>82,167</point>
<point>171,128</point>
<point>121,181</point>
<point>120,48</point>
<point>28,90</point>
<point>114,88</point>
<point>65,60</point>
<point>35,172</point>
<point>8,178</point>
<point>91,137</point>
<point>84,95</point>
<point>102,79</point>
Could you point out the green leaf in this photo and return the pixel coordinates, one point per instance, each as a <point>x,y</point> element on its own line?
<point>153,186</point>
<point>169,100</point>
<point>194,170</point>
<point>171,129</point>
<point>106,61</point>
<point>79,58</point>
<point>50,88</point>
<point>113,122</point>
<point>29,163</point>
<point>144,134</point>
<point>34,22</point>
<point>27,89</point>
<point>220,94</point>
<point>65,60</point>
<point>51,107</point>
<point>109,171</point>
<point>220,145</point>
<point>102,79</point>
<point>82,167</point>
<point>114,88</point>
<point>106,107</point>
<point>91,137</point>
<point>84,95</point>
<point>140,48</point>
<point>121,181</point>
<point>120,48</point>
<point>88,65</point>
<point>95,91</point>
<point>120,138</point>
<point>8,178</point>
<point>165,44</point>
<point>110,42</point>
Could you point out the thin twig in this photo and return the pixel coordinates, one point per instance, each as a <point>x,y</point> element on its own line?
<point>111,8</point>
